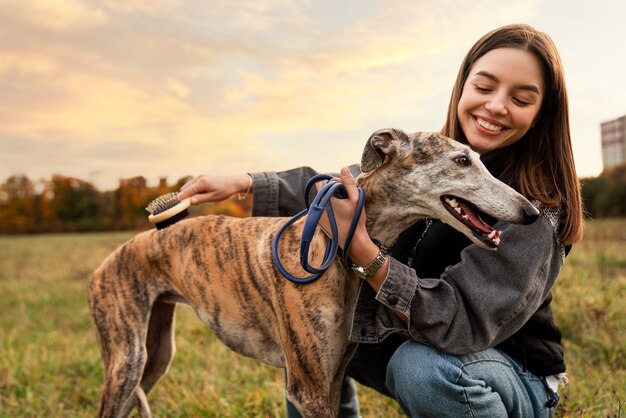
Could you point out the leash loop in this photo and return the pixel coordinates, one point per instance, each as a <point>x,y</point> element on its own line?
<point>315,210</point>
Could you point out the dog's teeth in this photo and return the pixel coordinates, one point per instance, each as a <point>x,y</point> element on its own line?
<point>458,209</point>
<point>494,236</point>
<point>465,217</point>
<point>452,202</point>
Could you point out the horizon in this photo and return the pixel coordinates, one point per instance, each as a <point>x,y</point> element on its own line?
<point>110,90</point>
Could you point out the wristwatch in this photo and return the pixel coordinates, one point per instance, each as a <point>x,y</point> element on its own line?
<point>364,272</point>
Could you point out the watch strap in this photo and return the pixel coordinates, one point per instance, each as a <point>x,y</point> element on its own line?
<point>365,272</point>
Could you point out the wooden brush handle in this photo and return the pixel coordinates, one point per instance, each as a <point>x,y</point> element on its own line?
<point>166,214</point>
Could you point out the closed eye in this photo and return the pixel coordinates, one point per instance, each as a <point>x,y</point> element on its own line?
<point>462,160</point>
<point>520,102</point>
<point>482,89</point>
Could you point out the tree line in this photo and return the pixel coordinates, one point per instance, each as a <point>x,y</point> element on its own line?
<point>605,196</point>
<point>68,204</point>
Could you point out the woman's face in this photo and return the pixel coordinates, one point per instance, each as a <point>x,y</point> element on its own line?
<point>501,98</point>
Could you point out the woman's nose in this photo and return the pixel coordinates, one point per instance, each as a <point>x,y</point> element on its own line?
<point>497,105</point>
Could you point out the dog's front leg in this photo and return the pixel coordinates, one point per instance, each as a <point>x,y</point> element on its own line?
<point>310,397</point>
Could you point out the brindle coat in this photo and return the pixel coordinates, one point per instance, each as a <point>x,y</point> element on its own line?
<point>222,267</point>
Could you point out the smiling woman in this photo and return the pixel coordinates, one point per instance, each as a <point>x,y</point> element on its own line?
<point>501,99</point>
<point>518,79</point>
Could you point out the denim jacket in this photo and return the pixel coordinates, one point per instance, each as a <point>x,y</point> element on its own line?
<point>487,298</point>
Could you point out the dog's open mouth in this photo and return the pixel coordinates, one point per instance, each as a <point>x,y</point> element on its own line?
<point>467,214</point>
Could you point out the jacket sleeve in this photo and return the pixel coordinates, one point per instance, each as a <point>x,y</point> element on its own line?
<point>480,301</point>
<point>282,193</point>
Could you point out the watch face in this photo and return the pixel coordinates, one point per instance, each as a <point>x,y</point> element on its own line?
<point>360,271</point>
<point>365,272</point>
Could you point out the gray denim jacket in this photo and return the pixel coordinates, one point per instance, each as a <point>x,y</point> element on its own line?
<point>474,305</point>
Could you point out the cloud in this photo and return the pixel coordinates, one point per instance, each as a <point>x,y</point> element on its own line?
<point>25,65</point>
<point>100,93</point>
<point>79,105</point>
<point>259,84</point>
<point>141,7</point>
<point>54,15</point>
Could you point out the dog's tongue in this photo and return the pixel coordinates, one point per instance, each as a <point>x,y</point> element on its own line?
<point>474,218</point>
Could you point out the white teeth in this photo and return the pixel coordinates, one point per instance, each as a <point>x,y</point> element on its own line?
<point>452,202</point>
<point>489,126</point>
<point>458,209</point>
<point>494,236</point>
<point>465,217</point>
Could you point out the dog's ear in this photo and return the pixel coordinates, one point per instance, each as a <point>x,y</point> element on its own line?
<point>381,143</point>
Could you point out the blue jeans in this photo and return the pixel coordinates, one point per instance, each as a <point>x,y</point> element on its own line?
<point>429,383</point>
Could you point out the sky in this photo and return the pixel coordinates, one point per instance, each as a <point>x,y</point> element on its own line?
<point>110,89</point>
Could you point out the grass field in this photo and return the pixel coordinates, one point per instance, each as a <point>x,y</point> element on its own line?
<point>50,364</point>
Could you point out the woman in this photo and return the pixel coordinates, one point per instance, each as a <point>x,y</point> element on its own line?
<point>472,332</point>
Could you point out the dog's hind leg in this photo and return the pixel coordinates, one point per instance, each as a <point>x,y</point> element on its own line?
<point>121,328</point>
<point>159,343</point>
<point>160,348</point>
<point>142,403</point>
<point>123,366</point>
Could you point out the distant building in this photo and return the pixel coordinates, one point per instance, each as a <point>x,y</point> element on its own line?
<point>614,142</point>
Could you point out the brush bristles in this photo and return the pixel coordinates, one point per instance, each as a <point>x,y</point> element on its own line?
<point>172,220</point>
<point>162,203</point>
<point>166,210</point>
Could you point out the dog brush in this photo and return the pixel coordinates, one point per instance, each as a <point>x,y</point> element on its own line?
<point>166,210</point>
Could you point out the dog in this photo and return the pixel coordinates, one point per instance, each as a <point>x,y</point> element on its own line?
<point>222,267</point>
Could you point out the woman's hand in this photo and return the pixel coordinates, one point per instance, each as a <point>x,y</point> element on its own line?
<point>204,189</point>
<point>362,250</point>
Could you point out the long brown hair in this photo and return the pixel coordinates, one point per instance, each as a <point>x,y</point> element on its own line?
<point>543,158</point>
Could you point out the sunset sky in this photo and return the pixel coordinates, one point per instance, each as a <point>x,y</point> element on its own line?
<point>107,89</point>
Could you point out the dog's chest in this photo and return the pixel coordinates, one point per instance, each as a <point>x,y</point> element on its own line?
<point>246,337</point>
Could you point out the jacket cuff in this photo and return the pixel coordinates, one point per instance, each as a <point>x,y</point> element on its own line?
<point>398,288</point>
<point>264,193</point>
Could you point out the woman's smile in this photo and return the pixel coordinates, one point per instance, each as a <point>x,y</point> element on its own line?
<point>488,126</point>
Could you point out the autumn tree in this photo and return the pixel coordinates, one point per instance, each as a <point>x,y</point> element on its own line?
<point>17,205</point>
<point>74,203</point>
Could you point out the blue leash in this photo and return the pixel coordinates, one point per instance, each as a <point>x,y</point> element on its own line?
<point>315,210</point>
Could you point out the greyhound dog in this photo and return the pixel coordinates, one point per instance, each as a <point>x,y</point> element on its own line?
<point>222,267</point>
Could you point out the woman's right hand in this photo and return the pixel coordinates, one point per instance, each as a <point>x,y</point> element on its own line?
<point>204,189</point>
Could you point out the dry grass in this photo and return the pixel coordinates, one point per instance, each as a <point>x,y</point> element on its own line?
<point>50,365</point>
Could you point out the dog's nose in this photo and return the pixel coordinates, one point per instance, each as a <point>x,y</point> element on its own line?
<point>530,214</point>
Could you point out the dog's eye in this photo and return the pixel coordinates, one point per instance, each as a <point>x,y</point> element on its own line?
<point>462,160</point>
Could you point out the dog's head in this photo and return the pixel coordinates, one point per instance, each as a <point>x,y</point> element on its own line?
<point>407,177</point>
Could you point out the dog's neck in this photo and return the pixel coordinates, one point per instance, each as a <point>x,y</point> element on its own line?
<point>386,224</point>
<point>386,220</point>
